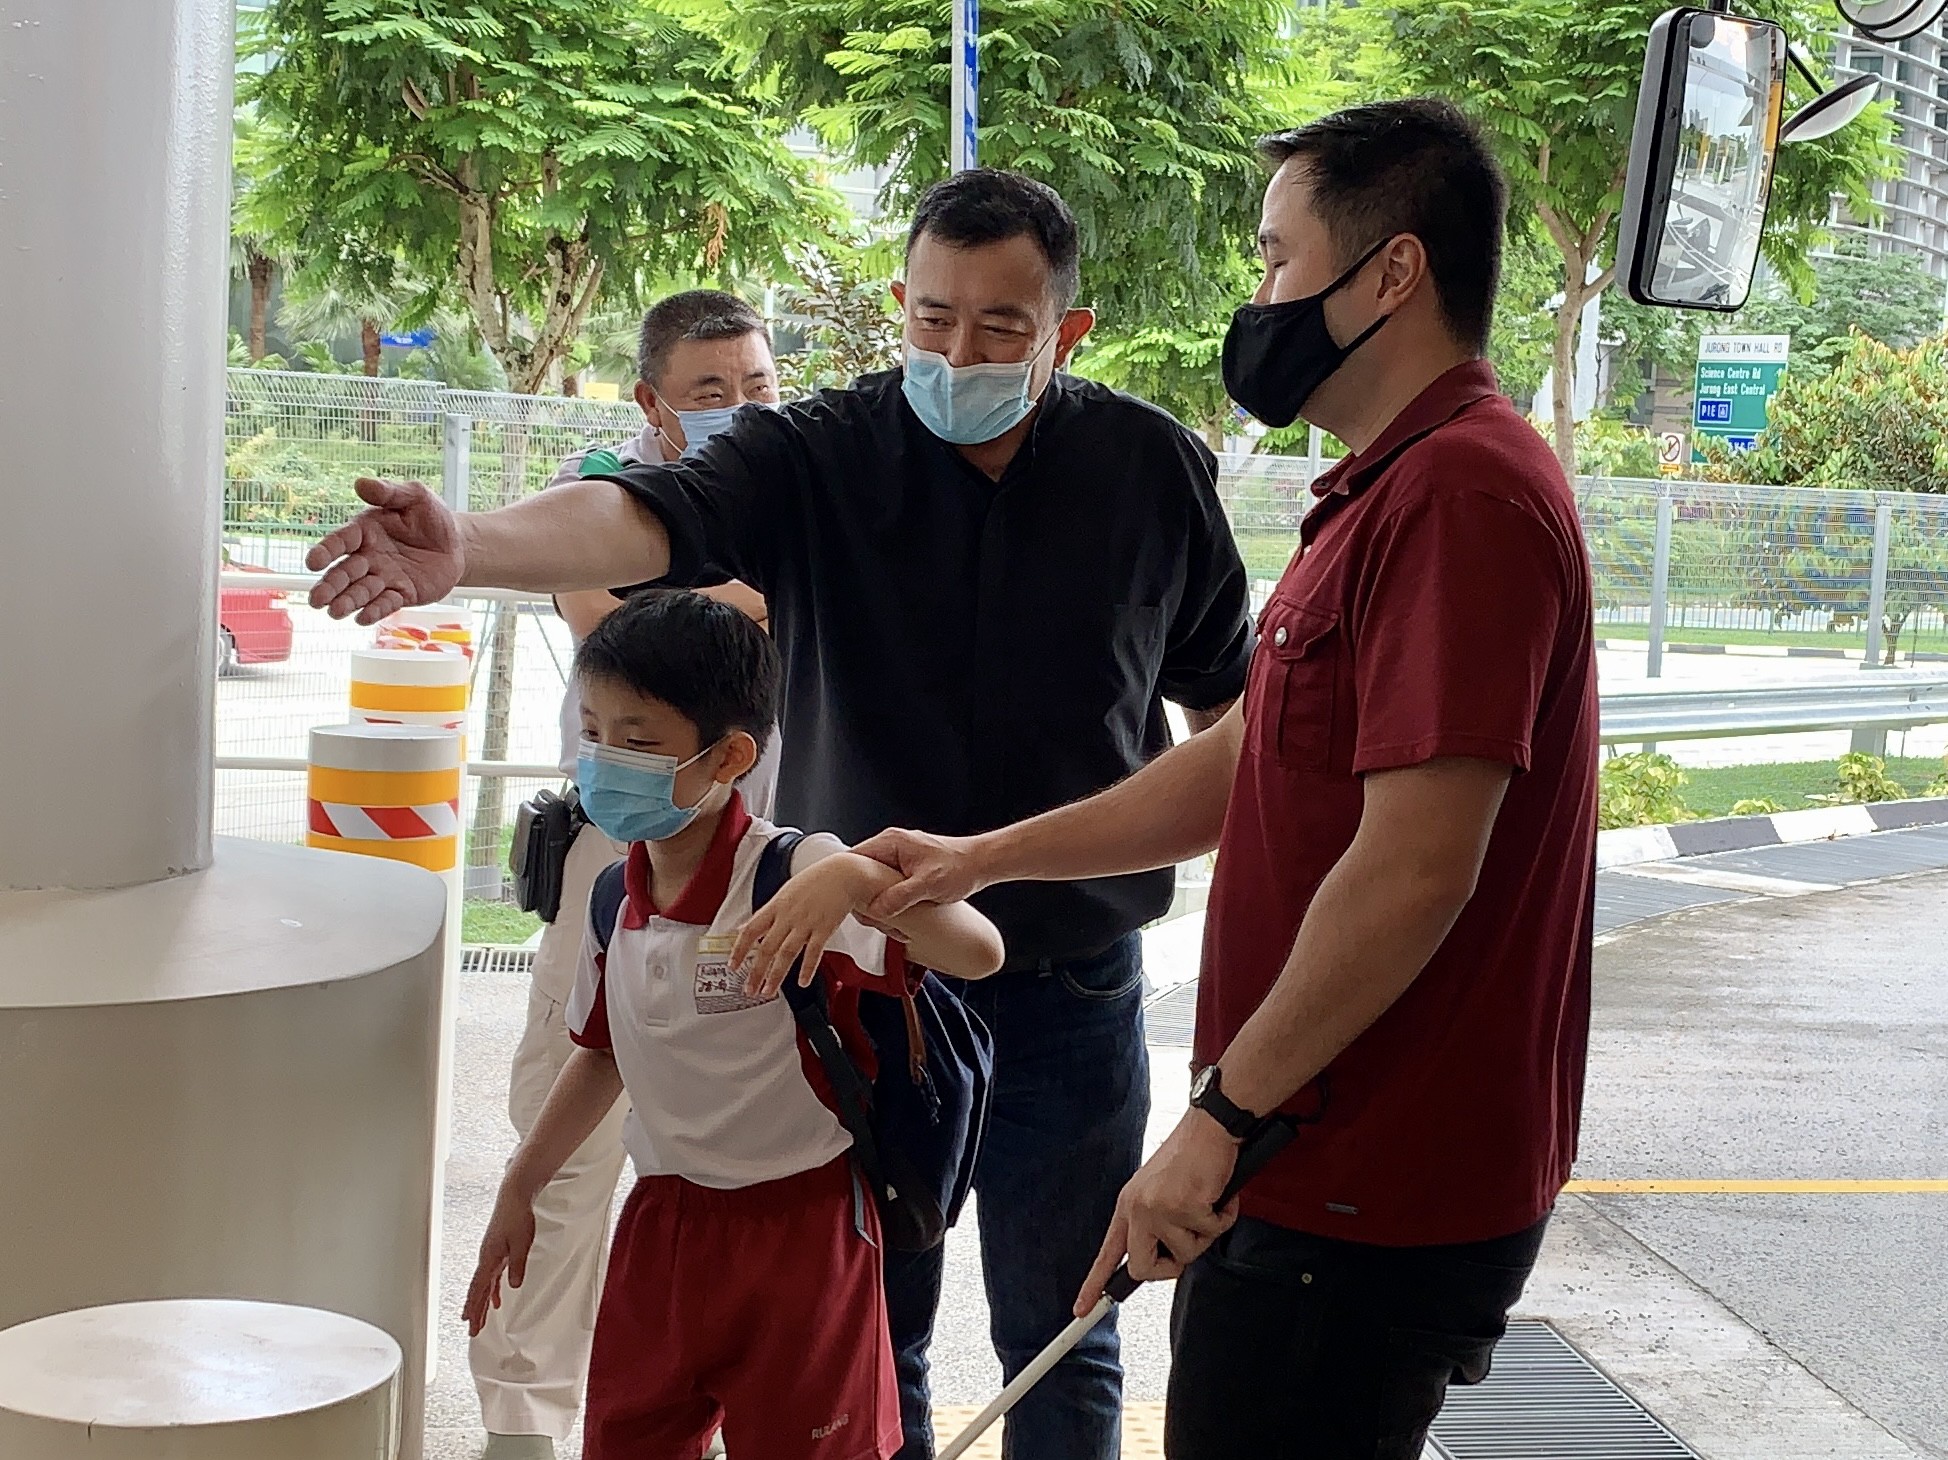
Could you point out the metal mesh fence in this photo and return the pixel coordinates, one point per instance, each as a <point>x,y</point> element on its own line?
<point>1786,570</point>
<point>1771,570</point>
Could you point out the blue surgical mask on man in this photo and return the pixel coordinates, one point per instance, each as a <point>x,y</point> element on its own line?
<point>968,404</point>
<point>700,426</point>
<point>630,795</point>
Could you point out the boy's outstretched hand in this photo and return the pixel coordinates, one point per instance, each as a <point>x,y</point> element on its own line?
<point>510,1234</point>
<point>795,926</point>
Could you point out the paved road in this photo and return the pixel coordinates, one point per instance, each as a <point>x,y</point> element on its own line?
<point>1805,1039</point>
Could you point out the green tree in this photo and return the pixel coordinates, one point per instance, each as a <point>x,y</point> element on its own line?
<point>1172,366</point>
<point>843,305</point>
<point>1520,341</point>
<point>525,150</point>
<point>1887,297</point>
<point>1554,85</point>
<point>1141,113</point>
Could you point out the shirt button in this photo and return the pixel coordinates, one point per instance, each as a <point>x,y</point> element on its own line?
<point>1279,637</point>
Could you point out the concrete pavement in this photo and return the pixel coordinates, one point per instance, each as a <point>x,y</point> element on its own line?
<point>1801,1039</point>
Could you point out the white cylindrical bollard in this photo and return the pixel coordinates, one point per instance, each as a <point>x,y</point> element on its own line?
<point>393,791</point>
<point>109,456</point>
<point>199,1379</point>
<point>410,687</point>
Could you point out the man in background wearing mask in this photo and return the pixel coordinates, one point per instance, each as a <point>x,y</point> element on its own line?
<point>1397,946</point>
<point>985,577</point>
<point>701,356</point>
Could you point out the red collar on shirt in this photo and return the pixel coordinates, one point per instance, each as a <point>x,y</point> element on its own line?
<point>704,893</point>
<point>1445,398</point>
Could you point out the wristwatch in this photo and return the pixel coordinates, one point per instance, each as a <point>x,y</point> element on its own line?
<point>1207,1095</point>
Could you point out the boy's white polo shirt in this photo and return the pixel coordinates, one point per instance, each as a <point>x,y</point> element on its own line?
<point>724,1091</point>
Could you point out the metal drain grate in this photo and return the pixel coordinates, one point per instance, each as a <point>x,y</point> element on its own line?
<point>496,958</point>
<point>1544,1401</point>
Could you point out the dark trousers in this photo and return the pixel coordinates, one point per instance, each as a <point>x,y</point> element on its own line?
<point>1071,1099</point>
<point>1286,1346</point>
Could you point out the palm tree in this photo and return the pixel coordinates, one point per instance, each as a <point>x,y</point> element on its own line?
<point>334,298</point>
<point>256,253</point>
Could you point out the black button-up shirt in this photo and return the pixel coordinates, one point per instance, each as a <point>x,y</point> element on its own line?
<point>961,653</point>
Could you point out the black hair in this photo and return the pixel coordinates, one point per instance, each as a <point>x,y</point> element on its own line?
<point>1417,166</point>
<point>695,314</point>
<point>985,205</point>
<point>704,659</point>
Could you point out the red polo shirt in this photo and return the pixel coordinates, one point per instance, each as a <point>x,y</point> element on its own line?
<point>1439,606</point>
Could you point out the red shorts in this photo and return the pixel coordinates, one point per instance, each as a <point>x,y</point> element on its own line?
<point>761,1310</point>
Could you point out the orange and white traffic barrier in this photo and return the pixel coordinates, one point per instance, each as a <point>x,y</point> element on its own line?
<point>386,791</point>
<point>409,687</point>
<point>436,626</point>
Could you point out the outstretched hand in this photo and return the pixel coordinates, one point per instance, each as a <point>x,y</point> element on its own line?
<point>404,549</point>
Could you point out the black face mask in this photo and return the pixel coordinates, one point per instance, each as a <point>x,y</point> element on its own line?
<point>1277,355</point>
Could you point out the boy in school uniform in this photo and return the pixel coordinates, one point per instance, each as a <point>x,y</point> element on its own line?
<point>744,1284</point>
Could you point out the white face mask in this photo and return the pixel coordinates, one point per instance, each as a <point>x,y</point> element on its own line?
<point>968,404</point>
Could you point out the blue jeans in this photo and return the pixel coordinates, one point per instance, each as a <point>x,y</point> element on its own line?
<point>1071,1100</point>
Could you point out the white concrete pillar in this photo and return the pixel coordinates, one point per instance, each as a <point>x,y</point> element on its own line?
<point>115,124</point>
<point>219,1063</point>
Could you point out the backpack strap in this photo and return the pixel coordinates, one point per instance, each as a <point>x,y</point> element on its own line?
<point>605,903</point>
<point>808,1006</point>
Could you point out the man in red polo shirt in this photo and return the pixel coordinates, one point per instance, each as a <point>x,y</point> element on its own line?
<point>1397,945</point>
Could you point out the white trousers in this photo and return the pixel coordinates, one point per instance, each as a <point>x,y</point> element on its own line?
<point>530,1363</point>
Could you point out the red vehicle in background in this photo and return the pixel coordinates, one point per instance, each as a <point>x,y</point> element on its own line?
<point>254,624</point>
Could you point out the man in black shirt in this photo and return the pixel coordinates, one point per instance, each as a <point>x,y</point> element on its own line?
<point>984,577</point>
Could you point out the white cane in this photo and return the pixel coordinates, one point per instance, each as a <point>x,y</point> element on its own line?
<point>1266,1142</point>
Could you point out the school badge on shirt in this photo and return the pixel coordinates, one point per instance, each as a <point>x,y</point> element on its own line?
<point>719,987</point>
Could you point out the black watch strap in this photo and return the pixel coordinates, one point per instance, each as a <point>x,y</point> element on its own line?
<point>1240,1124</point>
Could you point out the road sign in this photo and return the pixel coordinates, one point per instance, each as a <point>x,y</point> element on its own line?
<point>1737,375</point>
<point>1671,453</point>
<point>418,339</point>
<point>966,84</point>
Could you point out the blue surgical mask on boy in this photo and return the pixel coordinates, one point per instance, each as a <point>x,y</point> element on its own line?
<point>968,404</point>
<point>630,795</point>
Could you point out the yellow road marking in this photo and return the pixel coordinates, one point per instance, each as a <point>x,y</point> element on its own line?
<point>1660,1187</point>
<point>1142,1430</point>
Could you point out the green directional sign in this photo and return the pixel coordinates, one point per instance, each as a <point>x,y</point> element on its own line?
<point>1737,375</point>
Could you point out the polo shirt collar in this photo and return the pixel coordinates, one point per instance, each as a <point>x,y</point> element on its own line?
<point>1444,399</point>
<point>704,893</point>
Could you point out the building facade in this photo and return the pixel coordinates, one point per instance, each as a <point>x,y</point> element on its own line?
<point>1914,205</point>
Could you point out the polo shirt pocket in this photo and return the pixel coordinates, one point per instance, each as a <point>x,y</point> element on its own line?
<point>1293,722</point>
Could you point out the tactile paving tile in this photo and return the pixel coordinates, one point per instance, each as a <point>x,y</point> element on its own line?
<point>1142,1431</point>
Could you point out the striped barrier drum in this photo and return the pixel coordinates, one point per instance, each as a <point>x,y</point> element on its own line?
<point>441,627</point>
<point>411,687</point>
<point>386,791</point>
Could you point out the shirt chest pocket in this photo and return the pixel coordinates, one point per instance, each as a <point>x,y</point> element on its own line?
<point>1292,700</point>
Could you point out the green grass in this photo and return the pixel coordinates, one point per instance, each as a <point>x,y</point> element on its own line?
<point>495,922</point>
<point>1715,792</point>
<point>1932,642</point>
